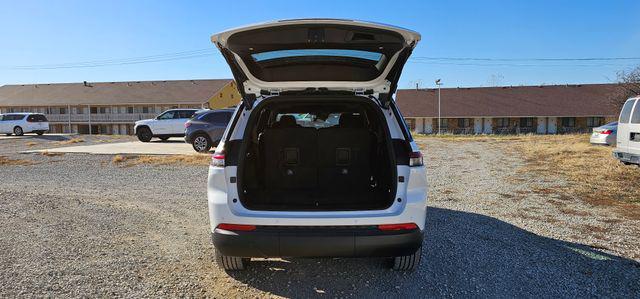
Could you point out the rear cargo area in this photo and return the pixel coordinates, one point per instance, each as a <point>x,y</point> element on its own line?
<point>322,155</point>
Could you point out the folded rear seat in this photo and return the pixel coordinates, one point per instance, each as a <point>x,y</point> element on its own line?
<point>291,153</point>
<point>345,155</point>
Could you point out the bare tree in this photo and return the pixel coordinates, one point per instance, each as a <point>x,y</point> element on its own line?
<point>631,81</point>
<point>628,86</point>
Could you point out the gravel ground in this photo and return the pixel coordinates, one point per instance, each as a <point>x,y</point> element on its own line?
<point>77,225</point>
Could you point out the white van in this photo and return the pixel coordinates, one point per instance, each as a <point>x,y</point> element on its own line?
<point>317,160</point>
<point>23,122</point>
<point>628,143</point>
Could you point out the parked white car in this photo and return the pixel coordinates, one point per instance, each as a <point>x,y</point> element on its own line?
<point>605,135</point>
<point>20,123</point>
<point>317,160</point>
<point>628,141</point>
<point>168,124</point>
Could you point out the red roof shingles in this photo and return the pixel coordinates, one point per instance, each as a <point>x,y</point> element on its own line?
<point>517,101</point>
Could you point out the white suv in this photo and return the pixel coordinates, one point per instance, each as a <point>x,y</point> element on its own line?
<point>317,160</point>
<point>20,123</point>
<point>168,124</point>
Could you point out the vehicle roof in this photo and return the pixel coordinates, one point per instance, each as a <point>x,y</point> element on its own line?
<point>22,113</point>
<point>217,110</point>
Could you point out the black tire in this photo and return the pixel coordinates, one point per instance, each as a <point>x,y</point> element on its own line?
<point>8,134</point>
<point>18,131</point>
<point>164,138</point>
<point>408,262</point>
<point>144,134</point>
<point>40,133</point>
<point>201,143</point>
<point>231,263</point>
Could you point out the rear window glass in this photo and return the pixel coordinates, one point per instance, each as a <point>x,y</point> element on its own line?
<point>635,117</point>
<point>323,120</point>
<point>186,113</point>
<point>625,114</point>
<point>317,53</point>
<point>36,118</point>
<point>217,117</point>
<point>14,117</point>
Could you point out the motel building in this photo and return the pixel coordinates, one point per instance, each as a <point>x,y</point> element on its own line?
<point>546,109</point>
<point>113,107</point>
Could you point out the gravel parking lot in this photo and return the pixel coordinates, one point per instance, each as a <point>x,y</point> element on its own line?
<point>82,225</point>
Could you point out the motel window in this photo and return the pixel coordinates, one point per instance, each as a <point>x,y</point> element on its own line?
<point>444,123</point>
<point>63,110</point>
<point>569,122</point>
<point>102,110</point>
<point>130,110</point>
<point>464,122</point>
<point>411,123</point>
<point>145,109</point>
<point>526,122</point>
<point>94,110</point>
<point>594,122</point>
<point>502,122</point>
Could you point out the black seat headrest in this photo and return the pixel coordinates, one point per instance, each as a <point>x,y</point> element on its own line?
<point>286,121</point>
<point>350,120</point>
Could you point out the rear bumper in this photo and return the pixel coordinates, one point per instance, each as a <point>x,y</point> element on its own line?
<point>627,157</point>
<point>348,241</point>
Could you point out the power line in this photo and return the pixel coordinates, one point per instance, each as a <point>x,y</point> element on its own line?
<point>524,59</point>
<point>459,61</point>
<point>122,61</point>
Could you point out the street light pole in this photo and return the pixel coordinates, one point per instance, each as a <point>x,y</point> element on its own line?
<point>438,83</point>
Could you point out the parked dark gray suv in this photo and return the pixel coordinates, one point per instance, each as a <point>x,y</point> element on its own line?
<point>205,128</point>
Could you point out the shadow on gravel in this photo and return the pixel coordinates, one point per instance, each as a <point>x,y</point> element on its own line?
<point>463,254</point>
<point>44,137</point>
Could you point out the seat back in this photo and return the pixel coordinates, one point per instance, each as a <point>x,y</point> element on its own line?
<point>344,155</point>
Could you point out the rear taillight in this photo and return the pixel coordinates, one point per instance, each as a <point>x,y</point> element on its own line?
<point>187,124</point>
<point>606,132</point>
<point>236,227</point>
<point>217,159</point>
<point>400,226</point>
<point>415,159</point>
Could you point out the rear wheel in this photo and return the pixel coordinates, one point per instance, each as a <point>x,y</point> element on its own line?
<point>201,143</point>
<point>8,134</point>
<point>18,131</point>
<point>408,262</point>
<point>40,132</point>
<point>144,134</point>
<point>231,263</point>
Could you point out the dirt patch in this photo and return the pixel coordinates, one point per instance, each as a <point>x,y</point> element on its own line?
<point>127,161</point>
<point>51,154</point>
<point>71,141</point>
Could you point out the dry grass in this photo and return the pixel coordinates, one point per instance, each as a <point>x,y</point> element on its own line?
<point>13,162</point>
<point>31,143</point>
<point>71,141</point>
<point>197,159</point>
<point>51,154</point>
<point>593,174</point>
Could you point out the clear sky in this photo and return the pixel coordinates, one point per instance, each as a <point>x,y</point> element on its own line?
<point>59,32</point>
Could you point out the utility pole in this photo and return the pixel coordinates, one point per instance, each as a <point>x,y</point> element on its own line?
<point>438,83</point>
